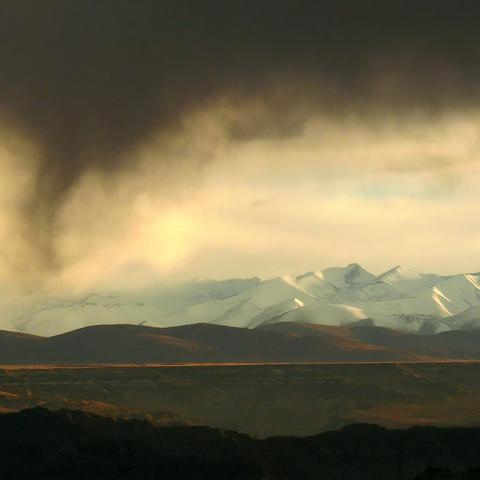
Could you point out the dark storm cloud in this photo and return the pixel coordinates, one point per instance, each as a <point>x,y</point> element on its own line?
<point>88,81</point>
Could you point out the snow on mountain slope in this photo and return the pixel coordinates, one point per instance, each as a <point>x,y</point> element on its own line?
<point>279,299</point>
<point>341,295</point>
<point>371,292</point>
<point>322,314</point>
<point>428,310</point>
<point>427,302</point>
<point>170,296</point>
<point>399,298</point>
<point>467,315</point>
<point>461,291</point>
<point>466,320</point>
<point>408,281</point>
<point>352,284</point>
<point>412,323</point>
<point>240,310</point>
<point>275,312</point>
<point>55,317</point>
<point>315,284</point>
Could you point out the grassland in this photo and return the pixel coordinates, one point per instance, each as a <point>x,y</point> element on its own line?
<point>262,400</point>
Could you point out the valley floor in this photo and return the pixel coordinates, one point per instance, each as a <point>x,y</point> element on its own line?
<point>262,400</point>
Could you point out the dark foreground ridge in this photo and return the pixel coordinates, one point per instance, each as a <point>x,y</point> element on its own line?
<point>39,444</point>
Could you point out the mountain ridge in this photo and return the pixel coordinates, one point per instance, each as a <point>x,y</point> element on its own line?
<point>399,298</point>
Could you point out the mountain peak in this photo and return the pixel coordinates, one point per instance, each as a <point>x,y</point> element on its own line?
<point>400,271</point>
<point>356,274</point>
<point>311,274</point>
<point>354,265</point>
<point>352,274</point>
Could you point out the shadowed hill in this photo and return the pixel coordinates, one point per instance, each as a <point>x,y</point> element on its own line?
<point>20,347</point>
<point>191,343</point>
<point>207,343</point>
<point>446,345</point>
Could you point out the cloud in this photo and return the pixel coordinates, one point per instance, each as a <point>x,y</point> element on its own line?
<point>88,85</point>
<point>272,208</point>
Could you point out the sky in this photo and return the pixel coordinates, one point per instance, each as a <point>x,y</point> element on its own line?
<point>157,139</point>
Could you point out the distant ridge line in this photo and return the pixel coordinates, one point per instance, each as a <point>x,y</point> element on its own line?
<point>206,344</point>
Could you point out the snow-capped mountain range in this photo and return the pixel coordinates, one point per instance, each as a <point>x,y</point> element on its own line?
<point>399,298</point>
